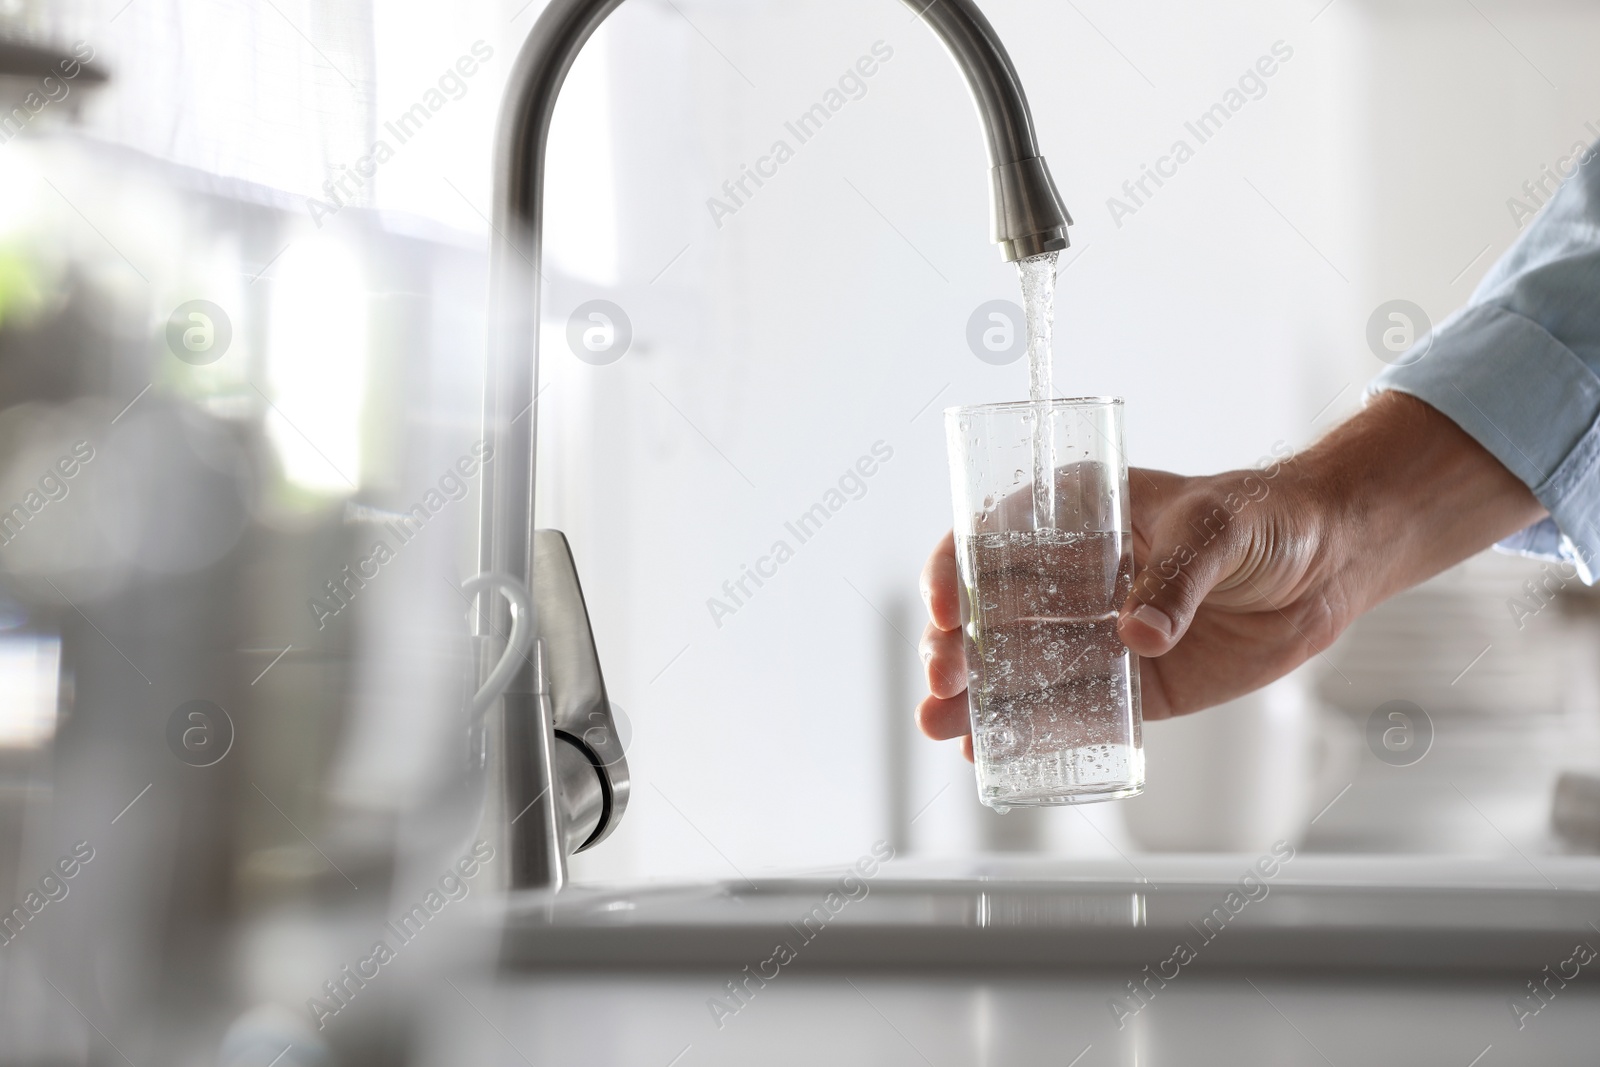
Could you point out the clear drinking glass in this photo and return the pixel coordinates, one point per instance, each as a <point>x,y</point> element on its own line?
<point>1045,565</point>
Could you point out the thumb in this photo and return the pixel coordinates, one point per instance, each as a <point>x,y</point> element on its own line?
<point>1178,572</point>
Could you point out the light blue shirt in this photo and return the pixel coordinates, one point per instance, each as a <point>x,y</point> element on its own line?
<point>1518,368</point>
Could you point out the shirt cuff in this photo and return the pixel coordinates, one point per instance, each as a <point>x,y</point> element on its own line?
<point>1534,405</point>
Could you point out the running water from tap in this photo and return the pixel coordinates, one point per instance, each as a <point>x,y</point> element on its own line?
<point>1039,311</point>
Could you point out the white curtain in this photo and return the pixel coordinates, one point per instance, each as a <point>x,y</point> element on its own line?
<point>273,92</point>
<point>282,96</point>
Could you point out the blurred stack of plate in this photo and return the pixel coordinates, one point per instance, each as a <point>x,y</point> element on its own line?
<point>1508,693</point>
<point>1235,778</point>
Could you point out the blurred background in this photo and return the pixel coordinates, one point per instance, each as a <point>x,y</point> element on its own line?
<point>313,181</point>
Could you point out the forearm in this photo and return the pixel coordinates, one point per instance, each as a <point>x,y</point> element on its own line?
<point>1409,495</point>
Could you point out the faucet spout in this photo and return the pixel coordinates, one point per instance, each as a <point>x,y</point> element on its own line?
<point>539,757</point>
<point>1028,216</point>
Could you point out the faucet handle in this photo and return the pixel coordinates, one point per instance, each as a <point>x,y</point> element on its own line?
<point>569,669</point>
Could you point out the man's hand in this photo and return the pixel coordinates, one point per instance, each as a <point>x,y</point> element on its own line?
<point>1243,576</point>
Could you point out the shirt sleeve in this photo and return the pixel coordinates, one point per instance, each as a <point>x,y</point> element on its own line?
<point>1518,369</point>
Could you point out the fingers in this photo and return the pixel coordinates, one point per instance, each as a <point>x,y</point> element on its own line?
<point>1147,629</point>
<point>942,718</point>
<point>941,585</point>
<point>1179,570</point>
<point>944,657</point>
<point>943,713</point>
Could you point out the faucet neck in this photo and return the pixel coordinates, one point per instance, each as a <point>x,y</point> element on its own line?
<point>1028,216</point>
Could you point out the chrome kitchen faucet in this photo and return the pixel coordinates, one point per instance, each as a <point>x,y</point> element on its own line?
<point>556,764</point>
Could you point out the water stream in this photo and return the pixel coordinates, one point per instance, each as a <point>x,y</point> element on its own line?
<point>1039,311</point>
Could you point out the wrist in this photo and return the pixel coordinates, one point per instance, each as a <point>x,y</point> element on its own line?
<point>1402,494</point>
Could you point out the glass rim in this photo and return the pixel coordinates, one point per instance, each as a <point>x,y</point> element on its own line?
<point>1053,403</point>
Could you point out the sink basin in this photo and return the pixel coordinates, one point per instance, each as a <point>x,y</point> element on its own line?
<point>1314,913</point>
